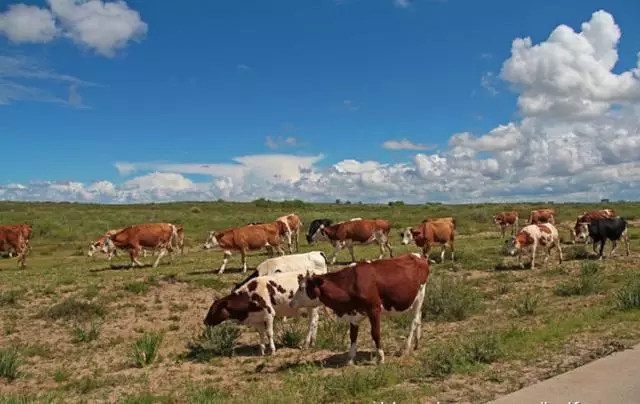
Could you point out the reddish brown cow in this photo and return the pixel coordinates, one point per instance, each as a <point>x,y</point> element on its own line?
<point>504,219</point>
<point>392,286</point>
<point>146,235</point>
<point>427,234</point>
<point>12,238</point>
<point>26,229</point>
<point>293,225</point>
<point>358,232</point>
<point>587,217</point>
<point>542,216</point>
<point>246,238</point>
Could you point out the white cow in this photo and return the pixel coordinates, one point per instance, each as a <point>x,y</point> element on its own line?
<point>259,301</point>
<point>532,236</point>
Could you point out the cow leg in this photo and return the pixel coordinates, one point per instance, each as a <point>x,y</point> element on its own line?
<point>559,250</point>
<point>337,246</point>
<point>614,246</point>
<point>133,253</point>
<point>350,248</point>
<point>269,326</point>
<point>296,240</point>
<point>443,251</point>
<point>163,251</point>
<point>226,256</point>
<point>243,253</point>
<point>261,328</point>
<point>452,244</point>
<point>416,323</point>
<point>602,242</point>
<point>289,242</point>
<point>533,255</point>
<point>374,319</point>
<point>503,228</point>
<point>281,251</point>
<point>313,314</point>
<point>426,250</point>
<point>625,239</point>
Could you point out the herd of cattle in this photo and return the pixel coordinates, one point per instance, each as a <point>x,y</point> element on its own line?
<point>284,285</point>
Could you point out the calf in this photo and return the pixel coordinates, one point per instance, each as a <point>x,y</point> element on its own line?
<point>314,234</point>
<point>258,302</point>
<point>587,217</point>
<point>292,224</point>
<point>542,216</point>
<point>358,232</point>
<point>504,219</point>
<point>244,239</point>
<point>601,230</point>
<point>12,239</point>
<point>532,236</point>
<point>391,286</point>
<point>146,235</point>
<point>429,233</point>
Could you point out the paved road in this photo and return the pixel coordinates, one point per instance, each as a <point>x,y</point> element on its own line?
<point>612,379</point>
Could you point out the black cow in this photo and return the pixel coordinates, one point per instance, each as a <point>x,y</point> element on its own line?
<point>601,230</point>
<point>315,226</point>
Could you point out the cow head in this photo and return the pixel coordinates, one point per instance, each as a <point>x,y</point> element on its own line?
<point>316,234</point>
<point>218,312</point>
<point>407,236</point>
<point>582,231</point>
<point>94,248</point>
<point>308,292</point>
<point>212,240</point>
<point>517,242</point>
<point>494,219</point>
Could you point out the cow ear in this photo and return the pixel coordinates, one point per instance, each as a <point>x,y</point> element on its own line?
<point>321,226</point>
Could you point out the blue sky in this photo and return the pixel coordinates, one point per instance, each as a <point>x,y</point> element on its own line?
<point>206,81</point>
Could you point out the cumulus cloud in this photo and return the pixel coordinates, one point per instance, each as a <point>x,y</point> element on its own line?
<point>406,144</point>
<point>578,139</point>
<point>401,3</point>
<point>104,27</point>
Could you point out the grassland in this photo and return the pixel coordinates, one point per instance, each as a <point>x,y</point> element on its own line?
<point>78,329</point>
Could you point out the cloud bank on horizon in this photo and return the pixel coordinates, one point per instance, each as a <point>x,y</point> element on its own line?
<point>578,138</point>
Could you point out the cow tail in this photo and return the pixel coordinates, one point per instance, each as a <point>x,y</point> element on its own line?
<point>326,261</point>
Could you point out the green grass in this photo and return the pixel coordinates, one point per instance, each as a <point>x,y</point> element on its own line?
<point>484,331</point>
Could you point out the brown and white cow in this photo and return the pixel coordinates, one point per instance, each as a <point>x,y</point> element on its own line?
<point>246,238</point>
<point>12,239</point>
<point>504,219</point>
<point>532,236</point>
<point>357,232</point>
<point>392,286</point>
<point>542,216</point>
<point>427,234</point>
<point>586,218</point>
<point>146,235</point>
<point>100,246</point>
<point>293,225</point>
<point>26,229</point>
<point>259,301</point>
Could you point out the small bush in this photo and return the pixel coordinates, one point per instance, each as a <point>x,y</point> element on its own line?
<point>137,287</point>
<point>332,334</point>
<point>449,299</point>
<point>10,297</point>
<point>353,384</point>
<point>291,335</point>
<point>82,335</point>
<point>526,304</point>
<point>587,283</point>
<point>145,349</point>
<point>73,309</point>
<point>578,252</point>
<point>10,363</point>
<point>483,347</point>
<point>628,296</point>
<point>214,341</point>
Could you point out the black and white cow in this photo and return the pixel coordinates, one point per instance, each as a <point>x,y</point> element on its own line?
<point>601,230</point>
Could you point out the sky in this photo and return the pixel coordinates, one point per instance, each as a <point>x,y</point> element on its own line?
<point>363,100</point>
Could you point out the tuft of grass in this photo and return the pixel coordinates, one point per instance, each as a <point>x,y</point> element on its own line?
<point>137,287</point>
<point>214,341</point>
<point>627,297</point>
<point>73,309</point>
<point>587,283</point>
<point>578,252</point>
<point>88,335</point>
<point>353,384</point>
<point>10,297</point>
<point>207,395</point>
<point>291,335</point>
<point>449,299</point>
<point>145,350</point>
<point>10,362</point>
<point>527,304</point>
<point>332,334</point>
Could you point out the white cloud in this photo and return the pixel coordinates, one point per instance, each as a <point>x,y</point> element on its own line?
<point>405,144</point>
<point>104,27</point>
<point>350,105</point>
<point>578,139</point>
<point>401,3</point>
<point>279,141</point>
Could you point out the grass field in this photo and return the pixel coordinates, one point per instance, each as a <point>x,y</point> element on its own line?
<point>75,329</point>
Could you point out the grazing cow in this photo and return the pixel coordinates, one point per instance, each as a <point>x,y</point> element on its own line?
<point>314,234</point>
<point>390,286</point>
<point>258,302</point>
<point>246,238</point>
<point>292,224</point>
<point>542,216</point>
<point>100,246</point>
<point>587,217</point>
<point>146,235</point>
<point>26,229</point>
<point>504,219</point>
<point>358,232</point>
<point>429,233</point>
<point>12,239</point>
<point>601,230</point>
<point>532,236</point>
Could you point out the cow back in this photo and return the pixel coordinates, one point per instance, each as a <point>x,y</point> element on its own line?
<point>437,231</point>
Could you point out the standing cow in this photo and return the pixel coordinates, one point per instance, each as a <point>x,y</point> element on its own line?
<point>146,235</point>
<point>532,236</point>
<point>587,217</point>
<point>370,290</point>
<point>358,232</point>
<point>542,216</point>
<point>429,233</point>
<point>12,239</point>
<point>601,230</point>
<point>292,224</point>
<point>504,219</point>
